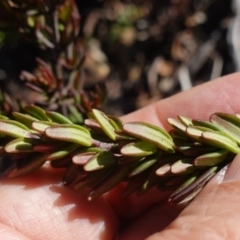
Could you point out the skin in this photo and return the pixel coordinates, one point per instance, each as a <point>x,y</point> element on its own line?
<point>38,207</point>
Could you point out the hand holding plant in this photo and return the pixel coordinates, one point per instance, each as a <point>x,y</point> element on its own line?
<point>38,207</point>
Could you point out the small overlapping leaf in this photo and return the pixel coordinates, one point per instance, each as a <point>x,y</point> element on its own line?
<point>74,114</point>
<point>194,150</point>
<point>143,165</point>
<point>165,163</point>
<point>70,133</point>
<point>106,126</point>
<point>191,195</point>
<point>211,159</point>
<point>182,166</point>
<point>176,134</point>
<point>63,152</point>
<point>186,121</point>
<point>176,124</point>
<point>228,124</point>
<point>25,119</point>
<point>206,124</point>
<point>150,133</point>
<point>94,127</point>
<point>14,129</point>
<point>191,186</point>
<point>195,132</point>
<point>37,112</point>
<point>19,145</point>
<point>164,170</point>
<point>32,163</point>
<point>110,181</point>
<point>182,195</point>
<point>58,118</point>
<point>221,140</point>
<point>41,126</point>
<point>138,149</point>
<point>100,160</point>
<point>149,181</point>
<point>91,179</point>
<point>115,122</point>
<point>82,158</point>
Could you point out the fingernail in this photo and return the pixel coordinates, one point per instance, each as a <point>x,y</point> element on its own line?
<point>233,172</point>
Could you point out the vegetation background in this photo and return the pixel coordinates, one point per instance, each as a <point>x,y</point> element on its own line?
<point>141,50</point>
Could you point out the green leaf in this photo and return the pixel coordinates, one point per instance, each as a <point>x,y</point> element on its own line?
<point>177,125</point>
<point>143,165</point>
<point>14,129</point>
<point>211,159</point>
<point>148,183</point>
<point>26,119</point>
<point>163,170</point>
<point>186,121</point>
<point>19,145</point>
<point>63,152</point>
<point>103,121</point>
<point>58,118</point>
<point>82,158</point>
<point>138,149</point>
<point>91,179</point>
<point>176,134</point>
<point>191,195</point>
<point>228,124</point>
<point>182,166</point>
<point>190,188</point>
<point>37,112</point>
<point>165,163</point>
<point>194,150</point>
<point>150,133</point>
<point>41,126</point>
<point>70,133</point>
<point>115,122</point>
<point>188,182</point>
<point>206,124</point>
<point>33,163</point>
<point>195,132</point>
<point>74,114</point>
<point>93,125</point>
<point>221,140</point>
<point>109,182</point>
<point>100,160</point>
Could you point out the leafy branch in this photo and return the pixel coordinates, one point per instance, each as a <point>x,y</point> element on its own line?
<point>105,152</point>
<point>66,129</point>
